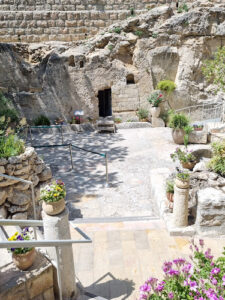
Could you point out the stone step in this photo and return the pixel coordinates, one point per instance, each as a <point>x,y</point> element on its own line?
<point>112,219</point>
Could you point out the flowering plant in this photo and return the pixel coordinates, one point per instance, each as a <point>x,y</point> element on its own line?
<point>24,235</point>
<point>155,98</point>
<point>53,192</point>
<point>183,155</point>
<point>183,176</point>
<point>201,278</point>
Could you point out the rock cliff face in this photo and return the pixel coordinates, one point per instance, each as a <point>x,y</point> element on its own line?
<point>129,58</point>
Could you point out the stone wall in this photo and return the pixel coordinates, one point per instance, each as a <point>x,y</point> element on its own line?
<point>15,196</point>
<point>64,20</point>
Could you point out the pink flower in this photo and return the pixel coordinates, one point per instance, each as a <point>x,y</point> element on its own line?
<point>215,271</point>
<point>170,295</point>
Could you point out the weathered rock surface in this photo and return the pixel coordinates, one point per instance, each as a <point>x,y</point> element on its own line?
<point>15,196</point>
<point>60,77</point>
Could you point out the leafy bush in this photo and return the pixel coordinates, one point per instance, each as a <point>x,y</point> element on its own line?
<point>166,85</point>
<point>178,121</point>
<point>110,47</point>
<point>200,278</point>
<point>170,186</point>
<point>7,113</point>
<point>10,146</point>
<point>138,33</point>
<point>118,120</point>
<point>142,113</point>
<point>217,163</point>
<point>155,98</point>
<point>155,35</point>
<point>183,176</point>
<point>183,8</point>
<point>42,120</point>
<point>187,129</point>
<point>214,69</point>
<point>183,155</point>
<point>117,30</point>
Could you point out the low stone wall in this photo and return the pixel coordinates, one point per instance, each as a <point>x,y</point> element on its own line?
<point>15,196</point>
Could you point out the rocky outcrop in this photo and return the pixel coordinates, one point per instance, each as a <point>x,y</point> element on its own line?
<point>16,196</point>
<point>58,78</point>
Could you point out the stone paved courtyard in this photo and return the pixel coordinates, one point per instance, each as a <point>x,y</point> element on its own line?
<point>132,154</point>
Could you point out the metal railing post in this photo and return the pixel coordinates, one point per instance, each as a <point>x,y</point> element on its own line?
<point>106,170</point>
<point>58,272</point>
<point>71,155</point>
<point>34,210</point>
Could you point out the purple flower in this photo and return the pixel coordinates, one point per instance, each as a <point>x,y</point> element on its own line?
<point>145,288</point>
<point>207,254</point>
<point>186,269</point>
<point>143,296</point>
<point>160,286</point>
<point>214,281</point>
<point>193,285</point>
<point>20,238</point>
<point>215,271</point>
<point>173,272</point>
<point>179,261</point>
<point>167,266</point>
<point>170,295</point>
<point>201,243</point>
<point>151,280</point>
<point>12,249</point>
<point>223,278</point>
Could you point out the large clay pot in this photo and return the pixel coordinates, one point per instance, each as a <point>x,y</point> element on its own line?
<point>170,196</point>
<point>178,136</point>
<point>155,112</point>
<point>181,183</point>
<point>188,165</point>
<point>53,208</point>
<point>25,260</point>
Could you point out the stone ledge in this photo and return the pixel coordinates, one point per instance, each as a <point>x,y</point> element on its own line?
<point>37,281</point>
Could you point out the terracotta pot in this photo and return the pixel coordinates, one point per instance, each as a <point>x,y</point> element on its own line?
<point>178,136</point>
<point>25,260</point>
<point>189,165</point>
<point>182,184</point>
<point>198,129</point>
<point>53,208</point>
<point>155,112</point>
<point>170,196</point>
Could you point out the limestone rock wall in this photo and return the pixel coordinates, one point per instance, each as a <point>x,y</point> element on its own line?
<point>58,78</point>
<point>15,196</point>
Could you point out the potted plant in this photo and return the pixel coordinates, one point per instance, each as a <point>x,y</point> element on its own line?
<point>170,190</point>
<point>185,157</point>
<point>53,198</point>
<point>198,127</point>
<point>23,258</point>
<point>155,99</point>
<point>182,180</point>
<point>143,115</point>
<point>178,122</point>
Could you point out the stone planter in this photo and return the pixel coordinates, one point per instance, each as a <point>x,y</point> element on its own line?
<point>170,196</point>
<point>155,112</point>
<point>53,208</point>
<point>178,136</point>
<point>25,260</point>
<point>189,165</point>
<point>182,184</point>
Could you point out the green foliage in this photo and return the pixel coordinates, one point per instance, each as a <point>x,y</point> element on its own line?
<point>118,120</point>
<point>178,121</point>
<point>132,11</point>
<point>214,69</point>
<point>138,33</point>
<point>53,192</point>
<point>155,98</point>
<point>183,155</point>
<point>110,47</point>
<point>170,186</point>
<point>155,35</point>
<point>142,113</point>
<point>42,121</point>
<point>183,176</point>
<point>217,163</point>
<point>11,146</point>
<point>183,8</point>
<point>187,129</point>
<point>165,116</point>
<point>8,114</point>
<point>166,85</point>
<point>117,30</point>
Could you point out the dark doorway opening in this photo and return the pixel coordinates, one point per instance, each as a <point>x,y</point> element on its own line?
<point>130,79</point>
<point>105,103</point>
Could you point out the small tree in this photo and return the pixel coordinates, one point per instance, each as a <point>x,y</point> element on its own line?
<point>214,69</point>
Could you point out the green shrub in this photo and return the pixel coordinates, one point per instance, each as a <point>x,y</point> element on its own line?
<point>42,121</point>
<point>170,186</point>
<point>8,114</point>
<point>155,35</point>
<point>178,121</point>
<point>183,8</point>
<point>142,113</point>
<point>217,163</point>
<point>166,85</point>
<point>138,33</point>
<point>183,176</point>
<point>187,129</point>
<point>10,146</point>
<point>118,120</point>
<point>110,47</point>
<point>117,30</point>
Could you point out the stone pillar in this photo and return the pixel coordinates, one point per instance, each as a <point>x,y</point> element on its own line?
<point>57,228</point>
<point>180,207</point>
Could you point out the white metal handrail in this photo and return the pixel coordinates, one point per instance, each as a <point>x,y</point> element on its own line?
<point>42,243</point>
